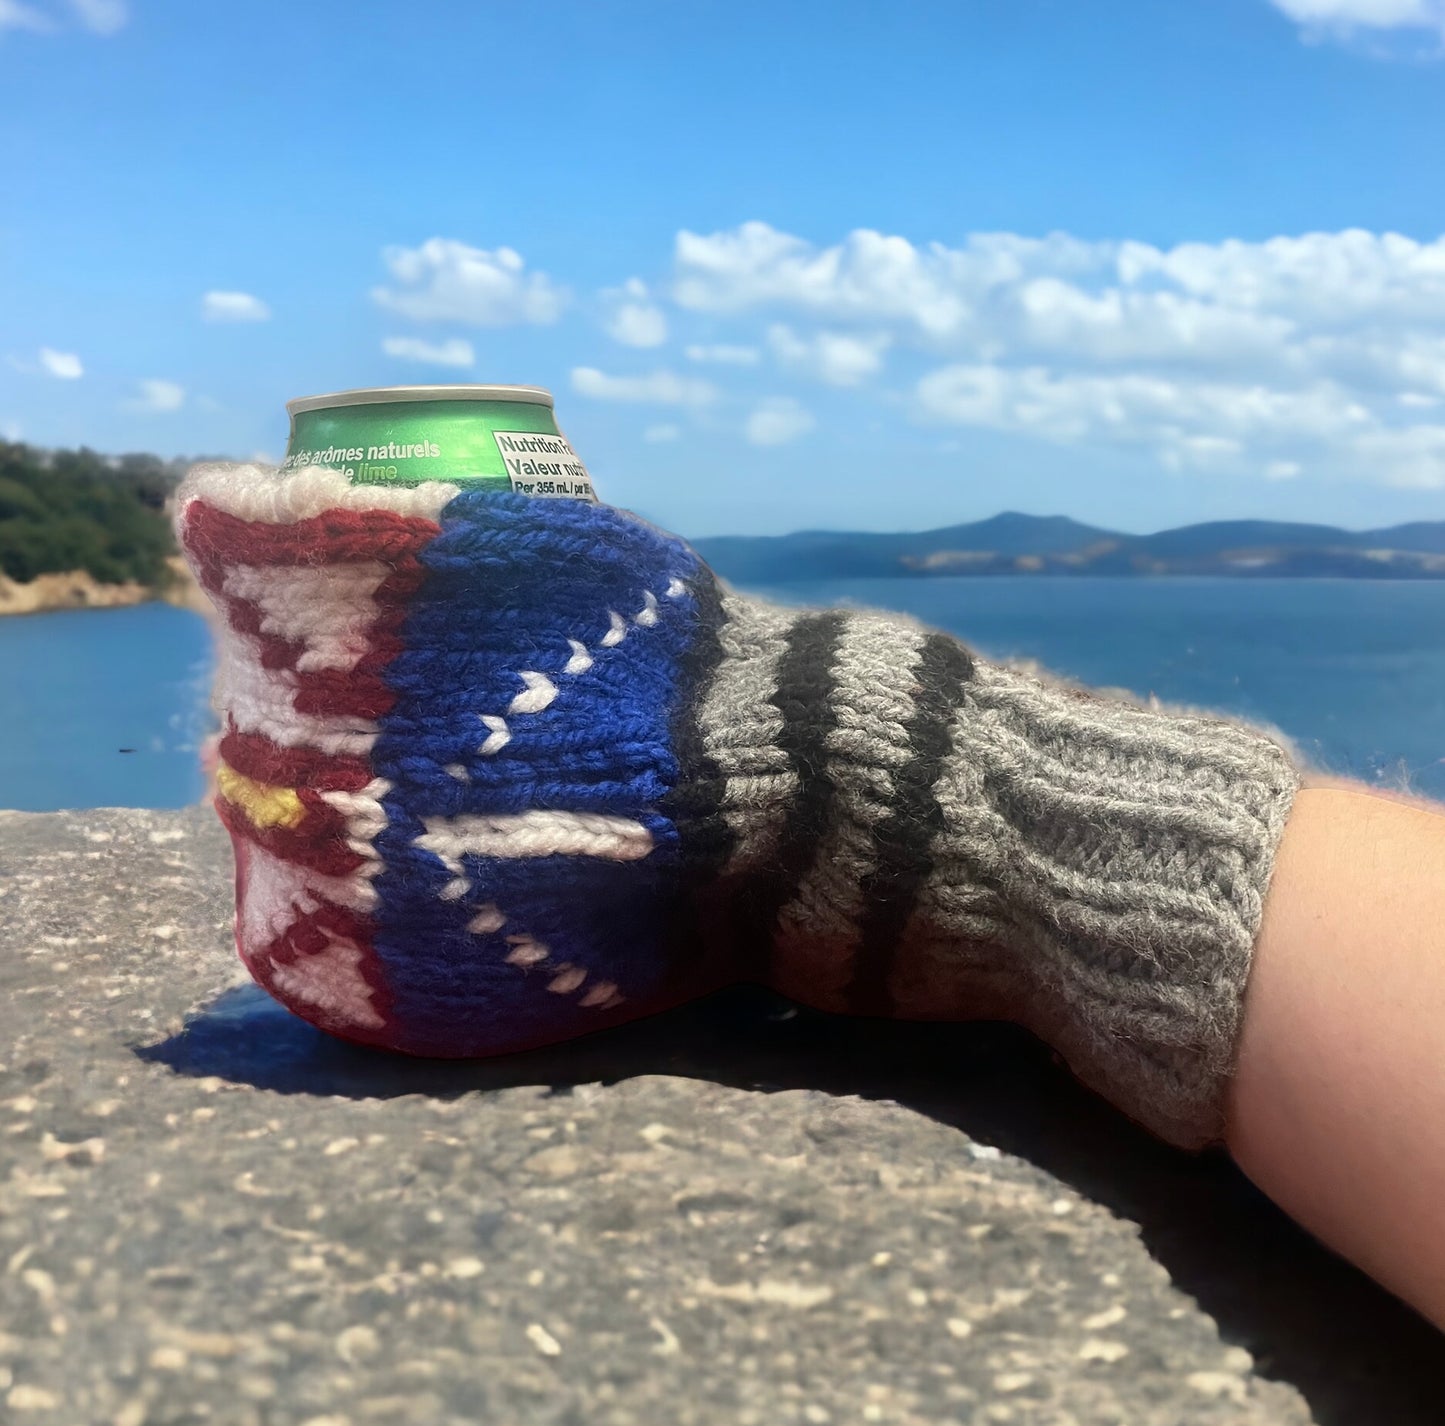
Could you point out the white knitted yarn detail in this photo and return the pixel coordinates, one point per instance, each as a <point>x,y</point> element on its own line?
<point>366,819</point>
<point>540,691</point>
<point>261,700</point>
<point>257,492</point>
<point>327,608</point>
<point>538,694</point>
<point>566,978</point>
<point>331,979</point>
<point>527,951</point>
<point>488,918</point>
<point>280,892</point>
<point>498,734</point>
<point>617,632</point>
<point>538,832</point>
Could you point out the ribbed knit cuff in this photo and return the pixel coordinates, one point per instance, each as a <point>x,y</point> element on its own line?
<point>912,830</point>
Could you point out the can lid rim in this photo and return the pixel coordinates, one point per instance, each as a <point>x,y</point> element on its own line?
<point>379,395</point>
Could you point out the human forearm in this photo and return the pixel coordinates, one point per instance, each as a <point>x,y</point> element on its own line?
<point>1339,1094</point>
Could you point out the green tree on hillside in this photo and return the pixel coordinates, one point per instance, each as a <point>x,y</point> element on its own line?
<point>76,510</point>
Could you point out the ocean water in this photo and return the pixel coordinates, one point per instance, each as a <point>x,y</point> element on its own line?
<point>1353,670</point>
<point>103,708</point>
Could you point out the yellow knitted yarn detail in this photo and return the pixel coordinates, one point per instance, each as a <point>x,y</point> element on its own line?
<point>263,804</point>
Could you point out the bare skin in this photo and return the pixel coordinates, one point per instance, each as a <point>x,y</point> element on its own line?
<point>1339,1098</point>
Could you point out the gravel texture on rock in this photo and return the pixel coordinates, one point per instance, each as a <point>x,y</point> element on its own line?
<point>209,1212</point>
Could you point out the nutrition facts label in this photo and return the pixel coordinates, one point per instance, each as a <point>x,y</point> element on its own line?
<point>539,464</point>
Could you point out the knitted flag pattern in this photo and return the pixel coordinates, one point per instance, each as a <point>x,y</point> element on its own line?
<point>449,751</point>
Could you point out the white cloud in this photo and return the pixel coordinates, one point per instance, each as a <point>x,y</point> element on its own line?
<point>1320,278</point>
<point>454,352</point>
<point>102,17</point>
<point>660,435</point>
<point>233,307</point>
<point>776,421</point>
<point>634,320</point>
<point>14,15</point>
<point>638,326</point>
<point>834,357</point>
<point>1346,15</point>
<point>1409,456</point>
<point>157,395</point>
<point>660,388</point>
<point>1114,300</point>
<point>723,353</point>
<point>1133,409</point>
<point>1114,325</point>
<point>447,281</point>
<point>1304,354</point>
<point>65,365</point>
<point>870,276</point>
<point>1188,424</point>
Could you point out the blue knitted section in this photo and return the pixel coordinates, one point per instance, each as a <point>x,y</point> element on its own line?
<point>511,581</point>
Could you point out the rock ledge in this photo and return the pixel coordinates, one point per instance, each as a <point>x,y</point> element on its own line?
<point>738,1214</point>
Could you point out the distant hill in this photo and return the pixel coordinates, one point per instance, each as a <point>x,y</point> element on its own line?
<point>822,554</point>
<point>78,513</point>
<point>1012,543</point>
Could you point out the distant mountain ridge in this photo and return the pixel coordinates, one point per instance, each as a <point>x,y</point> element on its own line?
<point>1012,543</point>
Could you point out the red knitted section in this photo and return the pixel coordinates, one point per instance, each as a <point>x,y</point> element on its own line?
<point>262,760</point>
<point>217,540</point>
<point>318,842</point>
<point>312,933</point>
<point>323,965</point>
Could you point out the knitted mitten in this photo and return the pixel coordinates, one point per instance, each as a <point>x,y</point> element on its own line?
<point>501,771</point>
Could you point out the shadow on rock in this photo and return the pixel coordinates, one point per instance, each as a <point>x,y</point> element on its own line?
<point>1309,1319</point>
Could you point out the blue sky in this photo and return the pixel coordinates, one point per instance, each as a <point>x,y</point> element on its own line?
<point>849,265</point>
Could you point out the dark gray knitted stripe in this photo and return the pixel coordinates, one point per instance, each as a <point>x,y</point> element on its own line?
<point>695,804</point>
<point>891,890</point>
<point>804,698</point>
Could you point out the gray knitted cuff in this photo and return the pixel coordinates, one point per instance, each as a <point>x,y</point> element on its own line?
<point>900,827</point>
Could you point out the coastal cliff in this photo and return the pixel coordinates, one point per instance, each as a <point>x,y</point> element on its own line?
<point>79,589</point>
<point>76,590</point>
<point>80,530</point>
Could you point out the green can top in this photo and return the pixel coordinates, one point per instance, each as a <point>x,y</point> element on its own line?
<point>488,437</point>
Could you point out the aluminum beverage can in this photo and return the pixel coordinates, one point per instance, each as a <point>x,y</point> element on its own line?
<point>479,437</point>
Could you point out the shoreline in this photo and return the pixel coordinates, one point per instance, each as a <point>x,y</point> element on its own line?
<point>78,589</point>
